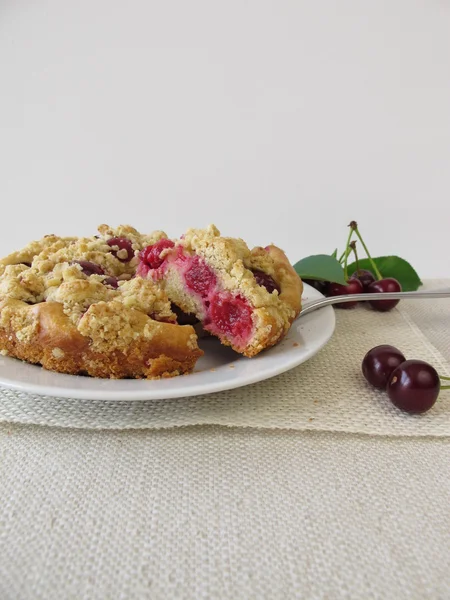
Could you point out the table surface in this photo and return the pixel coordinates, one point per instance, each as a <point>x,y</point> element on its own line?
<point>260,501</point>
<point>212,512</point>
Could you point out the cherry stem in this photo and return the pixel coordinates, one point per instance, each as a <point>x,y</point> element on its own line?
<point>342,256</point>
<point>347,252</point>
<point>445,387</point>
<point>354,227</point>
<point>443,377</point>
<point>353,247</point>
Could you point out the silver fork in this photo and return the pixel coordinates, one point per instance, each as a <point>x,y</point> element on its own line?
<point>315,304</point>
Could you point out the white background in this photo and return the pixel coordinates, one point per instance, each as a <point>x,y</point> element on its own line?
<point>278,120</point>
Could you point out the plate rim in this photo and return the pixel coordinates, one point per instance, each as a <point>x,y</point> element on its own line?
<point>221,385</point>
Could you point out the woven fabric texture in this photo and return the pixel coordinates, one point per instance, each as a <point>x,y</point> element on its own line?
<point>222,513</point>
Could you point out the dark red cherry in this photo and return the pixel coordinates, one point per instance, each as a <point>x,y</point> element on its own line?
<point>414,386</point>
<point>354,286</point>
<point>366,277</point>
<point>150,255</point>
<point>265,280</point>
<point>125,252</point>
<point>379,363</point>
<point>90,268</point>
<point>320,286</point>
<point>389,284</point>
<point>112,281</point>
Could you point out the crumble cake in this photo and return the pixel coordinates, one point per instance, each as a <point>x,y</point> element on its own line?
<point>74,305</point>
<point>247,298</point>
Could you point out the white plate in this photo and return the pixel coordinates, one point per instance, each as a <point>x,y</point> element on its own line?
<point>219,369</point>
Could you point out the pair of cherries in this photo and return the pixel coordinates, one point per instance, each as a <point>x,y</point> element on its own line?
<point>362,281</point>
<point>412,385</point>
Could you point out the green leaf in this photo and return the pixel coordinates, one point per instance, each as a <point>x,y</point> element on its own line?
<point>334,255</point>
<point>322,267</point>
<point>392,266</point>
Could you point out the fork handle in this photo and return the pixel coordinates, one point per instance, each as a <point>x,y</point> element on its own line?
<point>315,304</point>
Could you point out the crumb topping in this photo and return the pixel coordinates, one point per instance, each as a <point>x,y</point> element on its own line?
<point>49,270</point>
<point>111,326</point>
<point>146,296</point>
<point>234,263</point>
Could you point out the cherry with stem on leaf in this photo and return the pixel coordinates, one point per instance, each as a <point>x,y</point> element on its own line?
<point>383,285</point>
<point>365,276</point>
<point>389,284</point>
<point>353,286</point>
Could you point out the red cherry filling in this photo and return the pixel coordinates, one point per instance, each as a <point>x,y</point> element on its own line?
<point>89,268</point>
<point>151,256</point>
<point>224,314</point>
<point>230,315</point>
<point>125,252</point>
<point>199,277</point>
<point>265,280</point>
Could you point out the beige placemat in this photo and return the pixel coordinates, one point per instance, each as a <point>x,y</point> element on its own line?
<point>327,393</point>
<point>215,513</point>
